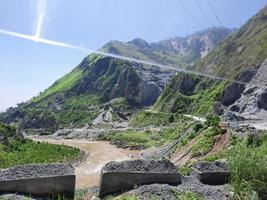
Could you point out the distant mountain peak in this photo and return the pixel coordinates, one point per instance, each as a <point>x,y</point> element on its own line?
<point>140,43</point>
<point>178,51</point>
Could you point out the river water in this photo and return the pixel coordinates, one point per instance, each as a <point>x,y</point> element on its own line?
<point>98,153</point>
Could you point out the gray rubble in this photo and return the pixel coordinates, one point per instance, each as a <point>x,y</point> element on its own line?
<point>190,183</point>
<point>35,171</point>
<point>149,166</point>
<point>204,166</point>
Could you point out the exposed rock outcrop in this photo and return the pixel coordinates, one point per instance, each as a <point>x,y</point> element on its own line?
<point>234,91</point>
<point>262,102</point>
<point>252,100</point>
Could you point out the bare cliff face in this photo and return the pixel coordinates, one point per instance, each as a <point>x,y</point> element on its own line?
<point>177,51</point>
<point>241,57</point>
<point>252,99</point>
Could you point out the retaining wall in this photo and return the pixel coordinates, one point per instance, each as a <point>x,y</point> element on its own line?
<point>111,182</point>
<point>39,185</point>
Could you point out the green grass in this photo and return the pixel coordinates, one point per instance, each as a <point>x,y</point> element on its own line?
<point>135,138</point>
<point>249,170</point>
<point>189,195</point>
<point>122,197</point>
<point>184,170</point>
<point>64,82</point>
<point>205,142</point>
<point>145,118</point>
<point>247,159</point>
<point>20,152</point>
<point>217,156</point>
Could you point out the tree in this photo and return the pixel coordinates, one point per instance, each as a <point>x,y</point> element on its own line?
<point>213,120</point>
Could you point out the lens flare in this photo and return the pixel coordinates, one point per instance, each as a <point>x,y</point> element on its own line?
<point>88,50</point>
<point>41,11</point>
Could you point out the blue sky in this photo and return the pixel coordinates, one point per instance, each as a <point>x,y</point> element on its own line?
<point>27,67</point>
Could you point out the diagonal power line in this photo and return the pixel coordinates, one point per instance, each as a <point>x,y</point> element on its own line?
<point>190,14</point>
<point>214,12</point>
<point>204,13</point>
<point>164,67</point>
<point>194,19</point>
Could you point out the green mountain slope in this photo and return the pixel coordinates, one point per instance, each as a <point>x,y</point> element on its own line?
<point>240,57</point>
<point>78,97</point>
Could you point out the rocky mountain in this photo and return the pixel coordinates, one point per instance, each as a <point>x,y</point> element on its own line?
<point>241,57</point>
<point>100,82</point>
<point>177,51</point>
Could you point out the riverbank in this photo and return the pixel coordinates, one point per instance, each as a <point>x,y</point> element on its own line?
<point>97,154</point>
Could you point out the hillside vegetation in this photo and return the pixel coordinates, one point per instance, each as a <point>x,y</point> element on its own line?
<point>237,58</point>
<point>15,150</point>
<point>77,98</point>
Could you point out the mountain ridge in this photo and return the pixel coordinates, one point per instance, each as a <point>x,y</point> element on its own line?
<point>79,96</point>
<point>239,57</point>
<point>178,51</point>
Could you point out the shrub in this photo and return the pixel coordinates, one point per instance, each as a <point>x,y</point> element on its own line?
<point>198,127</point>
<point>205,142</point>
<point>248,170</point>
<point>185,170</point>
<point>212,120</point>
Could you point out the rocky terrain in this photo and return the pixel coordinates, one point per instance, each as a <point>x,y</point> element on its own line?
<point>35,171</point>
<point>149,166</point>
<point>177,51</point>
<point>242,58</point>
<point>97,99</point>
<point>252,101</point>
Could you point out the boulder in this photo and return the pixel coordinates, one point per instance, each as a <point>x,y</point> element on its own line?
<point>233,92</point>
<point>263,100</point>
<point>235,108</point>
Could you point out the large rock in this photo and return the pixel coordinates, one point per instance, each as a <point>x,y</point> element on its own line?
<point>263,100</point>
<point>235,90</point>
<point>120,176</point>
<point>49,180</point>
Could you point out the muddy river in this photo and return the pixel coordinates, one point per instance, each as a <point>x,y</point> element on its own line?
<point>98,153</point>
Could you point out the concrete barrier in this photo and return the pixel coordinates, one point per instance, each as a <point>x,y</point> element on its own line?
<point>112,182</point>
<point>39,180</point>
<point>211,173</point>
<point>214,178</point>
<point>117,179</point>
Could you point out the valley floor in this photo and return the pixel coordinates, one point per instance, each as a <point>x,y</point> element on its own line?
<point>98,153</point>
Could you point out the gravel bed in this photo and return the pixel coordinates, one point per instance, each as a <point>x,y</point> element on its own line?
<point>19,197</point>
<point>35,171</point>
<point>216,166</point>
<point>190,183</point>
<point>152,166</point>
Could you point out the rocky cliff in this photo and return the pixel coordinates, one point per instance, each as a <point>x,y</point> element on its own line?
<point>242,58</point>
<point>78,97</point>
<point>177,51</point>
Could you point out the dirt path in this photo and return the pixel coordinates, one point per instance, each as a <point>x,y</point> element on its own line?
<point>98,154</point>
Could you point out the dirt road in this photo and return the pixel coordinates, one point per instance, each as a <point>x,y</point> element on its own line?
<point>98,154</point>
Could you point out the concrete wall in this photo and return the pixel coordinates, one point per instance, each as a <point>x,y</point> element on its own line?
<point>111,182</point>
<point>41,186</point>
<point>214,178</point>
